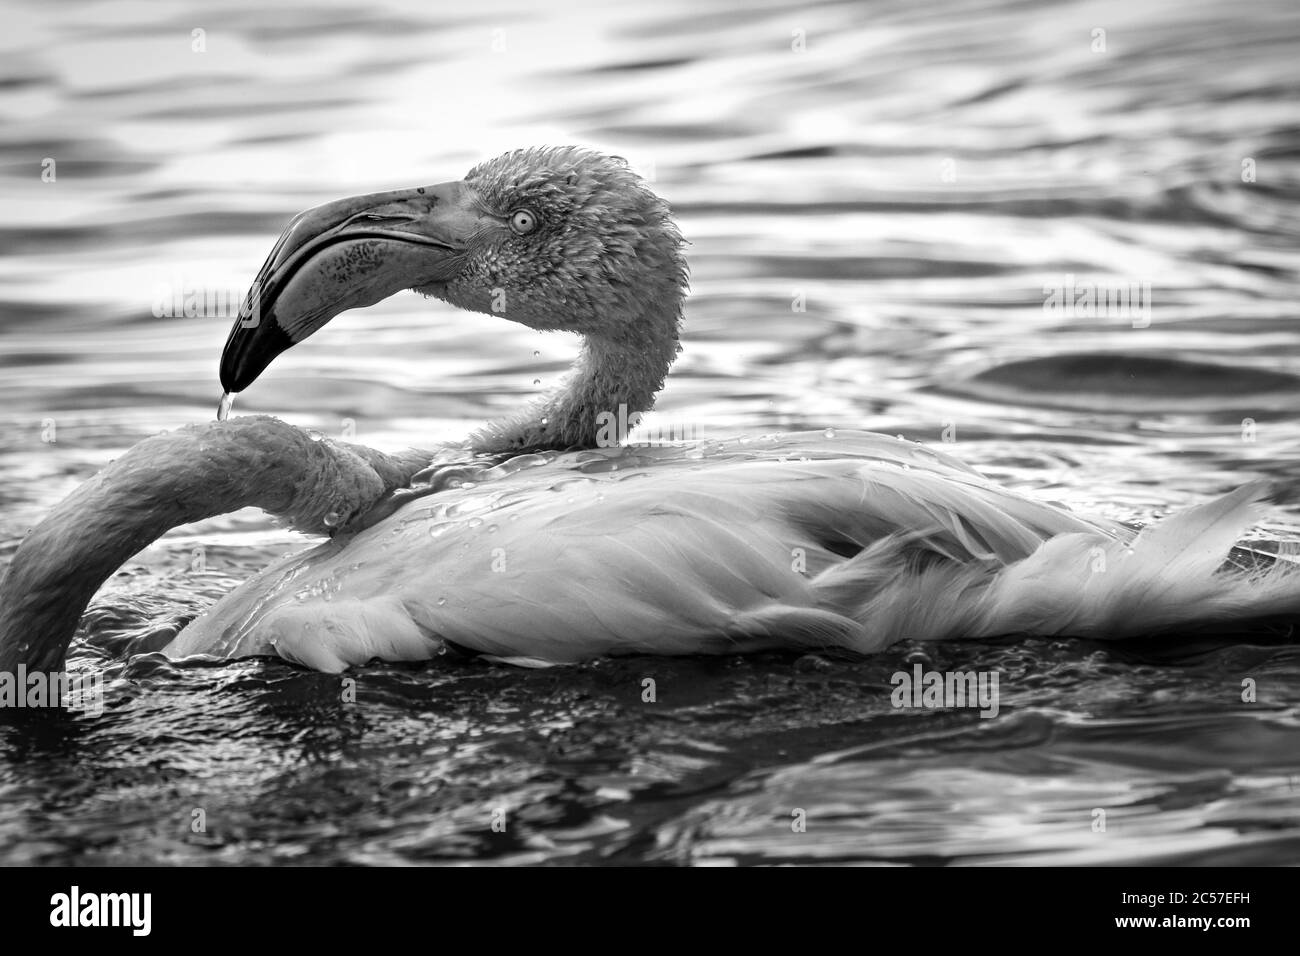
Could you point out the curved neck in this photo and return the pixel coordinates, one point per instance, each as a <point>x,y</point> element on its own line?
<point>610,381</point>
<point>169,480</point>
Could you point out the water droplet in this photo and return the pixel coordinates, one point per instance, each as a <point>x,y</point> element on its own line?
<point>537,381</point>
<point>600,496</point>
<point>475,522</point>
<point>545,421</point>
<point>536,353</point>
<point>314,435</point>
<point>901,438</point>
<point>332,519</point>
<point>829,433</point>
<point>225,405</point>
<point>813,663</point>
<point>441,602</point>
<point>491,529</point>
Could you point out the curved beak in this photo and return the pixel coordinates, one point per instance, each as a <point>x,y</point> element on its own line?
<point>347,254</point>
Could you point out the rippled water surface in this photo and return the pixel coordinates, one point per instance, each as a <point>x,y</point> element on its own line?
<point>879,197</point>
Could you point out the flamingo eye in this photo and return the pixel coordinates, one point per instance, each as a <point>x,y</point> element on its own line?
<point>523,221</point>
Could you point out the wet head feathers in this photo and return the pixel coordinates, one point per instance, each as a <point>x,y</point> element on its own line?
<point>604,258</point>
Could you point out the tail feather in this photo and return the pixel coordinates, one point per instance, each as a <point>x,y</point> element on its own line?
<point>1195,542</point>
<point>1170,576</point>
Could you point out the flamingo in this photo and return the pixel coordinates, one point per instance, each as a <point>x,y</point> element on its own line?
<point>539,540</point>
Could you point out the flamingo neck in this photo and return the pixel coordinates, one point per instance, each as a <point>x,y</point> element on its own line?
<point>168,480</point>
<point>611,381</point>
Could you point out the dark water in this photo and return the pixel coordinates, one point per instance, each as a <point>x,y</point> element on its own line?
<point>876,221</point>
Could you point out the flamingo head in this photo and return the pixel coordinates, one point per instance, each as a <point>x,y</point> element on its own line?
<point>553,238</point>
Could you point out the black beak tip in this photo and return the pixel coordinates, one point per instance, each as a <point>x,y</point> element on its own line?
<point>249,350</point>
